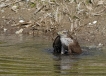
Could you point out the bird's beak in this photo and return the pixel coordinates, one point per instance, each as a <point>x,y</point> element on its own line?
<point>59,33</point>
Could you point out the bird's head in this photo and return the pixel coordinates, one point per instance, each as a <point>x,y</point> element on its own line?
<point>63,33</point>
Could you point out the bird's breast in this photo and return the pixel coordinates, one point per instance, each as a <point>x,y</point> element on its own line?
<point>66,41</point>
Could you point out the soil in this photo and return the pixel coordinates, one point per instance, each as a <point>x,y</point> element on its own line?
<point>90,31</point>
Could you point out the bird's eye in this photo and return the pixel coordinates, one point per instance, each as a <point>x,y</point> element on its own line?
<point>64,32</point>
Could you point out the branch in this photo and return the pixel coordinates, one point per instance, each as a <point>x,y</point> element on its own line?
<point>38,10</point>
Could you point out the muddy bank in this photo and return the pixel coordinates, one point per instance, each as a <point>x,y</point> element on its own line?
<point>84,19</point>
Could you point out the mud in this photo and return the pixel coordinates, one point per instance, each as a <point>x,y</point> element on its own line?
<point>31,18</point>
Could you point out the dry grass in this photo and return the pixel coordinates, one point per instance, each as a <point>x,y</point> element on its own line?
<point>85,19</point>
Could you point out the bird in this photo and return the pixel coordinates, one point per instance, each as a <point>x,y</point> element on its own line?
<point>64,42</point>
<point>57,45</point>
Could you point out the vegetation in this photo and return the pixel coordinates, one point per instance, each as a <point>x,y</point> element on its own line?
<point>84,19</point>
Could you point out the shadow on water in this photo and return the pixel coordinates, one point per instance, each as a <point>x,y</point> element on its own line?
<point>27,56</point>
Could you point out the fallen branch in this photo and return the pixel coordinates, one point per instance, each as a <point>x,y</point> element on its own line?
<point>38,10</point>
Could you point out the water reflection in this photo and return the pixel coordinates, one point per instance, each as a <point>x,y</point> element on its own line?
<point>88,63</point>
<point>27,56</point>
<point>64,64</point>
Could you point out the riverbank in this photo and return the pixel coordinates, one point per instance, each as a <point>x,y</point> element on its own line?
<point>85,20</point>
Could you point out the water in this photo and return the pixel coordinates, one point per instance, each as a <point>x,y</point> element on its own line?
<point>27,56</point>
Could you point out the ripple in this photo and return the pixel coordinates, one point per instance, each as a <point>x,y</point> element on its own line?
<point>28,58</point>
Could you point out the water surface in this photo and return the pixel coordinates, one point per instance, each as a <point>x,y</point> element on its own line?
<point>28,56</point>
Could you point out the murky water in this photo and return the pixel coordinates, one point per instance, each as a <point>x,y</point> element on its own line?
<point>27,56</point>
